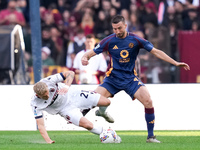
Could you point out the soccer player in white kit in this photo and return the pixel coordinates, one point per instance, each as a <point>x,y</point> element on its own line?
<point>55,97</point>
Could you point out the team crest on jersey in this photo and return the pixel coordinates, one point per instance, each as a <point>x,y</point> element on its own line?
<point>52,90</point>
<point>131,45</point>
<point>115,47</point>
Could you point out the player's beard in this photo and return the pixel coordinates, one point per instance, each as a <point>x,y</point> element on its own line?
<point>121,35</point>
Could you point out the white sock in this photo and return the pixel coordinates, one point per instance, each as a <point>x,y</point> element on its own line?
<point>102,109</point>
<point>96,129</point>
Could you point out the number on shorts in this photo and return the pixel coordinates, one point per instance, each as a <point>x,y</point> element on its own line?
<point>84,93</point>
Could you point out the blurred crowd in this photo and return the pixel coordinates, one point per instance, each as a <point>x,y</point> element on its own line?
<point>66,23</point>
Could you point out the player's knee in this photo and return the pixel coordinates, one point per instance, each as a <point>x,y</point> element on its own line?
<point>103,101</point>
<point>148,103</point>
<point>107,102</point>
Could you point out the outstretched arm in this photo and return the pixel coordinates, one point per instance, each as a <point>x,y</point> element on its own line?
<point>43,132</point>
<point>87,56</point>
<point>160,54</point>
<point>69,77</point>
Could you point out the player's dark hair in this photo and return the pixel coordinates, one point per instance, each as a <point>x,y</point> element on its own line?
<point>118,18</point>
<point>89,36</point>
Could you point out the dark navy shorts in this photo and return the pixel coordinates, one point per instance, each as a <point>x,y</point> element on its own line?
<point>114,85</point>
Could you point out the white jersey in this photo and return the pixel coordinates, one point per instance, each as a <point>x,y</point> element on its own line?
<point>96,63</point>
<point>68,105</point>
<point>55,102</point>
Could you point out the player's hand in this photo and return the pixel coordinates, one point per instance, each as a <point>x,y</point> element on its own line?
<point>50,142</point>
<point>63,91</point>
<point>184,65</point>
<point>84,61</point>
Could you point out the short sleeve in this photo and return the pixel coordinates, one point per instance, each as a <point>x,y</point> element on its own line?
<point>144,43</point>
<point>37,112</point>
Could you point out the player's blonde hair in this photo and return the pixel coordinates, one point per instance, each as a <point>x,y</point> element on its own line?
<point>40,88</point>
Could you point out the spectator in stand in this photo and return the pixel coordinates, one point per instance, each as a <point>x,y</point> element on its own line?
<point>195,25</point>
<point>134,24</point>
<point>47,19</point>
<point>187,21</point>
<point>10,16</point>
<point>117,5</point>
<point>48,42</point>
<point>133,7</point>
<point>149,14</point>
<point>113,12</point>
<point>66,16</point>
<point>58,42</point>
<point>97,65</point>
<point>179,7</point>
<point>46,58</point>
<point>87,23</point>
<point>106,6</point>
<point>50,16</point>
<point>62,6</point>
<point>52,9</point>
<point>102,26</point>
<point>72,29</point>
<point>125,14</point>
<point>74,47</point>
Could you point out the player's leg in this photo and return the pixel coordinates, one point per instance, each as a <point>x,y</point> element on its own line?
<point>102,109</point>
<point>103,101</point>
<point>94,128</point>
<point>143,96</point>
<point>73,115</point>
<point>102,91</point>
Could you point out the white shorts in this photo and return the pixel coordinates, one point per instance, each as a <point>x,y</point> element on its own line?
<point>79,99</point>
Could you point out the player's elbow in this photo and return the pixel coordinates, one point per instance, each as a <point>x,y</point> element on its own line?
<point>70,73</point>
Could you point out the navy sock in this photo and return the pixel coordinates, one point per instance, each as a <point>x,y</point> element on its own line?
<point>150,119</point>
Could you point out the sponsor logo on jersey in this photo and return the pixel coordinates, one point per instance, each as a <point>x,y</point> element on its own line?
<point>97,46</point>
<point>115,47</point>
<point>124,60</point>
<point>124,54</point>
<point>131,45</point>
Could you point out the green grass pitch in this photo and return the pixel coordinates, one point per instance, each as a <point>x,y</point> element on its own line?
<point>84,140</point>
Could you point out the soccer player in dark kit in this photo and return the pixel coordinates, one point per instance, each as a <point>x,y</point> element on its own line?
<point>123,48</point>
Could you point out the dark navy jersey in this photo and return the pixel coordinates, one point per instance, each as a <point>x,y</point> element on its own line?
<point>123,53</point>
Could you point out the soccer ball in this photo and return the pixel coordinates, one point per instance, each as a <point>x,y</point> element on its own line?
<point>109,136</point>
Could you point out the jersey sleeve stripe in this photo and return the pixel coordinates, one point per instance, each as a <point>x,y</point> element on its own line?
<point>38,117</point>
<point>62,76</point>
<point>107,39</point>
<point>110,68</point>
